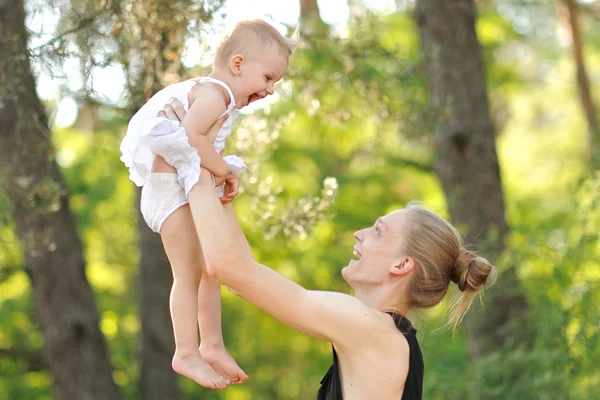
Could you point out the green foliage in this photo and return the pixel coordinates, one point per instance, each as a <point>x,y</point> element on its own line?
<point>353,109</point>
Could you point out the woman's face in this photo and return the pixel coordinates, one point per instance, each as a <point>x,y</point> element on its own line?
<point>377,250</point>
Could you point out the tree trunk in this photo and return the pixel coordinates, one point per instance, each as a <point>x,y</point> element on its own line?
<point>466,163</point>
<point>74,346</point>
<point>160,57</point>
<point>157,345</point>
<point>310,18</point>
<point>356,8</point>
<point>158,380</point>
<point>583,82</point>
<point>400,5</point>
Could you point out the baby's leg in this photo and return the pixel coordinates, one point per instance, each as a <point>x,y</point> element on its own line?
<point>183,250</point>
<point>212,346</point>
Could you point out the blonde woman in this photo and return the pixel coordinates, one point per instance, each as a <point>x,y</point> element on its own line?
<point>406,260</point>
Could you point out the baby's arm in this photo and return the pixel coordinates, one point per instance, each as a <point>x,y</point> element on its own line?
<point>207,104</point>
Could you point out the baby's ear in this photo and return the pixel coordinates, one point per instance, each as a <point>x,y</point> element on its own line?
<point>236,64</point>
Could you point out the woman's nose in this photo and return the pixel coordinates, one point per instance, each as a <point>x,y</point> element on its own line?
<point>358,236</point>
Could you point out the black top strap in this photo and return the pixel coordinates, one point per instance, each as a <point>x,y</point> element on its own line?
<point>331,387</point>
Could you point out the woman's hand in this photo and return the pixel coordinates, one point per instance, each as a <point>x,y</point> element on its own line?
<point>174,111</point>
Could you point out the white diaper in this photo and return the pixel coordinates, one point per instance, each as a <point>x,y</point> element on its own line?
<point>161,196</point>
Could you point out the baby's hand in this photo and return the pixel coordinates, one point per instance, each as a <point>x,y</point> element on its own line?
<point>232,187</point>
<point>221,176</point>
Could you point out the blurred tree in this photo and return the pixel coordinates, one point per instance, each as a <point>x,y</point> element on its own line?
<point>571,17</point>
<point>466,161</point>
<point>354,107</point>
<point>150,40</point>
<point>161,28</point>
<point>74,347</point>
<point>155,31</point>
<point>356,8</point>
<point>402,5</point>
<point>310,18</point>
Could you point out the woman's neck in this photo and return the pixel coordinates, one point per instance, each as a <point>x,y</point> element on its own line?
<point>384,300</point>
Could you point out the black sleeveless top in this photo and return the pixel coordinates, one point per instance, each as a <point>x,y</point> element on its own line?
<point>331,387</point>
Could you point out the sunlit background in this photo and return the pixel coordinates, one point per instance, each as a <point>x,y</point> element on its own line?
<point>348,137</point>
<point>43,20</point>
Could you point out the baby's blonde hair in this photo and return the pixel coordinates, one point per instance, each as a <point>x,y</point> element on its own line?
<point>251,35</point>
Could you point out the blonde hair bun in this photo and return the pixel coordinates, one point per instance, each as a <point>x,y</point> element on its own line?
<point>471,272</point>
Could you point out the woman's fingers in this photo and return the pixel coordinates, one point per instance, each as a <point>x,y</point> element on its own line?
<point>169,113</point>
<point>177,108</point>
<point>215,128</point>
<point>172,110</point>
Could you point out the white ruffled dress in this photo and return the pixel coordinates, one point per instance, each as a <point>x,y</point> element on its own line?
<point>148,135</point>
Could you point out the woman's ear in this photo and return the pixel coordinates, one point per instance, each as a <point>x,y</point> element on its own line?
<point>403,266</point>
<point>236,64</point>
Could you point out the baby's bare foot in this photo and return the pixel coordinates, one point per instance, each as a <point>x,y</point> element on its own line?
<point>192,365</point>
<point>221,361</point>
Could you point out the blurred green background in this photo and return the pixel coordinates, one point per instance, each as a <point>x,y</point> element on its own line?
<point>348,137</point>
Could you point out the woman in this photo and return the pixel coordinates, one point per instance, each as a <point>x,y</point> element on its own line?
<point>405,261</point>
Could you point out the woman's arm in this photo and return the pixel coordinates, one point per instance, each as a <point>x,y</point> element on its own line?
<point>335,317</point>
<point>331,316</point>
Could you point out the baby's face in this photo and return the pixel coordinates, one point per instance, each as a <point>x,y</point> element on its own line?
<point>259,73</point>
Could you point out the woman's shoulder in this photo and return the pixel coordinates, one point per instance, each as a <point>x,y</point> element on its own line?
<point>389,330</point>
<point>379,351</point>
<point>374,330</point>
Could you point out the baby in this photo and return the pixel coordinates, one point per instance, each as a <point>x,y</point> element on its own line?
<point>165,157</point>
